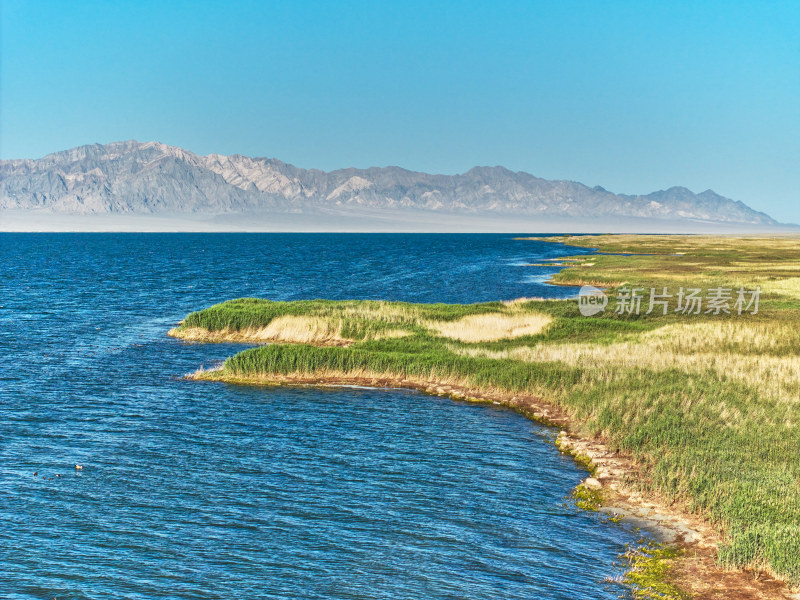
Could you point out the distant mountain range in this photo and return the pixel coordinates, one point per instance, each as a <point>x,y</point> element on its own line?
<point>133,178</point>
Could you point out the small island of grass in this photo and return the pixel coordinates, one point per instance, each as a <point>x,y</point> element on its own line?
<point>694,417</point>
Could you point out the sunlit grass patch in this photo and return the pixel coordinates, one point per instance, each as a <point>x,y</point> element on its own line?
<point>491,326</point>
<point>785,287</point>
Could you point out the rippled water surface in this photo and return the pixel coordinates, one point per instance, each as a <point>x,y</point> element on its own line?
<point>200,490</point>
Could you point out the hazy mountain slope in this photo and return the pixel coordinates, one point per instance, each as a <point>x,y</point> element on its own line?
<point>152,178</point>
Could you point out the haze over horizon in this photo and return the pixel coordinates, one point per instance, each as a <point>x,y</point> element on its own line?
<point>634,98</point>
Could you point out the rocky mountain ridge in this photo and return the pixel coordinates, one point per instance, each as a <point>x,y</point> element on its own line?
<point>152,178</point>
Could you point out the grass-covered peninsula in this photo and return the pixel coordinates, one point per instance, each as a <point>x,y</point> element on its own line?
<point>703,407</point>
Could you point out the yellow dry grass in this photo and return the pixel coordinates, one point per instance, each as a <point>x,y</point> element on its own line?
<point>785,287</point>
<point>380,311</point>
<point>303,330</point>
<point>693,348</point>
<point>490,327</point>
<point>755,337</point>
<point>291,329</point>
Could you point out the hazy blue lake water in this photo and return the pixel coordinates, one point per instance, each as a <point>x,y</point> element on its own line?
<point>199,490</point>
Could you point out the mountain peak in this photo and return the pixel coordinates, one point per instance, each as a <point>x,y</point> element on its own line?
<point>152,177</point>
<point>489,171</point>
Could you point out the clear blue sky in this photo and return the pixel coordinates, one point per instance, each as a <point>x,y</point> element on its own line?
<point>634,96</point>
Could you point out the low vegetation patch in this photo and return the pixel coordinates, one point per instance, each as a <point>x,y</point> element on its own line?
<point>648,573</point>
<point>587,498</point>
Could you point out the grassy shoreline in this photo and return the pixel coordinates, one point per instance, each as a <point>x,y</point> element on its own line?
<point>701,410</point>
